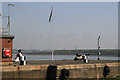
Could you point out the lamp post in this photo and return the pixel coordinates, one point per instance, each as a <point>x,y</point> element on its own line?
<point>98,48</point>
<point>9,16</point>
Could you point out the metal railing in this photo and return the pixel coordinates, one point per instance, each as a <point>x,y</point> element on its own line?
<point>4,30</point>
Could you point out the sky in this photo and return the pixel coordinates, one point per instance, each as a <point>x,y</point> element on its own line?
<point>75,24</point>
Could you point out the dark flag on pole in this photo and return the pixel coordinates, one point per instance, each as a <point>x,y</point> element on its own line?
<point>11,5</point>
<point>51,14</point>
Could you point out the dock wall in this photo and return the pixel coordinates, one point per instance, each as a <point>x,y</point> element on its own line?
<point>77,71</point>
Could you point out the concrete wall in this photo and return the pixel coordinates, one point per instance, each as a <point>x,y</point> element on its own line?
<point>77,71</point>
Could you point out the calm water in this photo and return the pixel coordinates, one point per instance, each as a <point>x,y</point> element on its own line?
<point>63,57</point>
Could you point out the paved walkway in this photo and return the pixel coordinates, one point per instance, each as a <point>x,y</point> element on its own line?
<point>58,62</point>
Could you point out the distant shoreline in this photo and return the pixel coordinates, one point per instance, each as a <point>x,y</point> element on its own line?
<point>65,54</point>
<point>104,52</point>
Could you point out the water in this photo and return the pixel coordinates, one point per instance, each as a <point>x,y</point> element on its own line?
<point>64,57</point>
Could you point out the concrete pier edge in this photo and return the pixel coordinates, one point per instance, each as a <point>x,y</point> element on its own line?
<point>59,67</point>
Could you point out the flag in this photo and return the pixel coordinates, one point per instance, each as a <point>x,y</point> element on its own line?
<point>51,14</point>
<point>11,5</point>
<point>99,37</point>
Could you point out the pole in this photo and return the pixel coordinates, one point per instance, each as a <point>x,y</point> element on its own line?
<point>9,16</point>
<point>52,35</point>
<point>8,20</point>
<point>98,48</point>
<point>9,24</point>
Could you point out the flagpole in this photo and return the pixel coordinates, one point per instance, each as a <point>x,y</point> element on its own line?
<point>52,35</point>
<point>52,32</point>
<point>52,39</point>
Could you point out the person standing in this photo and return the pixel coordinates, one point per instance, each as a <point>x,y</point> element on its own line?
<point>84,59</point>
<point>18,56</point>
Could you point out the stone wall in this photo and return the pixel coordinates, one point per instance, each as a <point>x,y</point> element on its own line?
<point>77,71</point>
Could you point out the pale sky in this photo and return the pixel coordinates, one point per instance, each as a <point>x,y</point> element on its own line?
<point>76,24</point>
